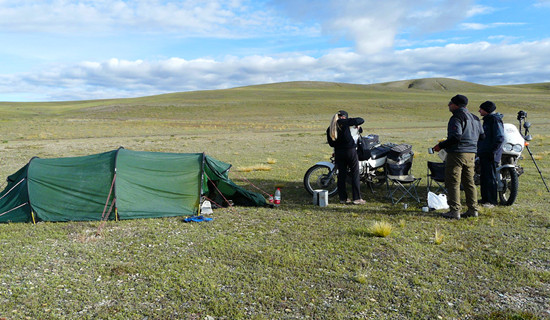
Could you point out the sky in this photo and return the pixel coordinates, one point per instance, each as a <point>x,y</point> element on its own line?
<point>62,50</point>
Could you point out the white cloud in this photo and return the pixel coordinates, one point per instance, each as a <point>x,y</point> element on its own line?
<point>542,3</point>
<point>473,26</point>
<point>480,26</point>
<point>479,62</point>
<point>373,24</point>
<point>480,10</point>
<point>212,18</point>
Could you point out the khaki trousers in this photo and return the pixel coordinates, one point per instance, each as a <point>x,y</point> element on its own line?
<point>459,168</point>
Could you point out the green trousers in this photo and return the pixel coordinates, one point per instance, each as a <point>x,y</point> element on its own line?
<point>459,169</point>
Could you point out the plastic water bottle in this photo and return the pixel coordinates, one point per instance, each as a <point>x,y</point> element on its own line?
<point>277,197</point>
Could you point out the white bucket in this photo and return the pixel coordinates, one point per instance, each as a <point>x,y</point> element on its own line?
<point>320,198</point>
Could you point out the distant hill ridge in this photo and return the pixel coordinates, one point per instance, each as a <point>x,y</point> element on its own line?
<point>433,85</point>
<point>436,84</point>
<point>425,84</point>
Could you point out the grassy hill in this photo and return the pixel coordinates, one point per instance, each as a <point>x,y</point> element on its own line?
<point>296,92</point>
<point>293,262</point>
<point>438,84</point>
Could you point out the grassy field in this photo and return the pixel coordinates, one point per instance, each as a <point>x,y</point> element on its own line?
<point>297,261</point>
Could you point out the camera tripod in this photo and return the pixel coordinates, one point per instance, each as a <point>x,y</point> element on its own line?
<point>522,117</point>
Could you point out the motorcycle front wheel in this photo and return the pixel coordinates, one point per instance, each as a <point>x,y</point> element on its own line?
<point>510,182</point>
<point>321,177</point>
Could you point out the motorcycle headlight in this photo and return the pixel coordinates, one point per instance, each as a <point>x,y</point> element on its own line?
<point>517,148</point>
<point>507,147</point>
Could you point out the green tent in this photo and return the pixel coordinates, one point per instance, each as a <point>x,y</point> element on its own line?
<point>119,184</point>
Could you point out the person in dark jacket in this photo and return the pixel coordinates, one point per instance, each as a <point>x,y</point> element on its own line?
<point>463,132</point>
<point>489,152</point>
<point>339,137</point>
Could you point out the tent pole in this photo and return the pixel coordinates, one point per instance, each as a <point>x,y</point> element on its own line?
<point>108,198</point>
<point>201,190</point>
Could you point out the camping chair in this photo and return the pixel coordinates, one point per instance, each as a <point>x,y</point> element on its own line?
<point>436,173</point>
<point>400,183</point>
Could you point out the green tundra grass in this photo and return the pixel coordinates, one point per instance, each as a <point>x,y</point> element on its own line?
<point>297,261</point>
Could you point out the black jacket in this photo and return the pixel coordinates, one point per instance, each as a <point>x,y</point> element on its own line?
<point>344,139</point>
<point>494,136</point>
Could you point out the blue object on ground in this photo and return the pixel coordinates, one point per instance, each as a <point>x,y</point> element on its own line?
<point>197,219</point>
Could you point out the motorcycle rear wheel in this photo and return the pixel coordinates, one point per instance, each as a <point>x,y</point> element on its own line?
<point>319,177</point>
<point>510,181</point>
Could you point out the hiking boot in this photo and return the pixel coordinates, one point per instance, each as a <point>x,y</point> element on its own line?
<point>470,213</point>
<point>359,201</point>
<point>451,214</point>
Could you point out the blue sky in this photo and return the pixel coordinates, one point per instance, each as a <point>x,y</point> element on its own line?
<point>56,50</point>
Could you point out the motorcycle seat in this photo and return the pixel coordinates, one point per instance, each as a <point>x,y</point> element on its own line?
<point>379,152</point>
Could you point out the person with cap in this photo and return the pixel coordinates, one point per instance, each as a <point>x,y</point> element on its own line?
<point>464,130</point>
<point>489,152</point>
<point>339,136</point>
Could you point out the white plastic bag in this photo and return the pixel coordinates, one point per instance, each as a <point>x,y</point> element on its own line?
<point>442,155</point>
<point>437,201</point>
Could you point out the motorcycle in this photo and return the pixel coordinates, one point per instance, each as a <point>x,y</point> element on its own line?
<point>324,174</point>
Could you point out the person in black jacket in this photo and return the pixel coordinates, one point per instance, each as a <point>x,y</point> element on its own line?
<point>463,132</point>
<point>489,152</point>
<point>339,137</point>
